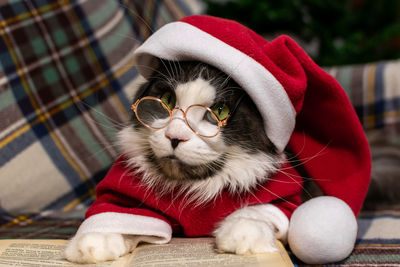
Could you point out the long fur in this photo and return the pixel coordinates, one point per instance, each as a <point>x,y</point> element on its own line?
<point>238,159</point>
<point>241,173</point>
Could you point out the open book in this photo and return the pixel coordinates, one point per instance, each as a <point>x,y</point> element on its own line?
<point>179,252</point>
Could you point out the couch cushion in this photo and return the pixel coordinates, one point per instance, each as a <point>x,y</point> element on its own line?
<point>374,92</point>
<point>65,88</point>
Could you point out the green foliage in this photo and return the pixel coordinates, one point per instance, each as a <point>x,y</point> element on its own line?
<point>347,31</point>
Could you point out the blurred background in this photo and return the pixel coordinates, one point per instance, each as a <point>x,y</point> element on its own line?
<point>333,32</point>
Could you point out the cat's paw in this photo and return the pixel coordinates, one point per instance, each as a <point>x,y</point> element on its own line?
<point>245,236</point>
<point>96,247</point>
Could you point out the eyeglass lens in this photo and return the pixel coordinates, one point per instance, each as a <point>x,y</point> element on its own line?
<point>202,121</point>
<point>154,114</point>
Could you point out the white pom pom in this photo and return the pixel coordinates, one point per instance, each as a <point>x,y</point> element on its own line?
<point>322,230</point>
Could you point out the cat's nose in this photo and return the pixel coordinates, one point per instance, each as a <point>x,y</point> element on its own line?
<point>175,142</point>
<point>177,132</point>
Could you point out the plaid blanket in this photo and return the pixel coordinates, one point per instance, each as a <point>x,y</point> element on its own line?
<point>65,79</point>
<point>378,242</point>
<point>374,92</point>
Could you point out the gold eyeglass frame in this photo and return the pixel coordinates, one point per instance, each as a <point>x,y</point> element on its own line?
<point>171,112</point>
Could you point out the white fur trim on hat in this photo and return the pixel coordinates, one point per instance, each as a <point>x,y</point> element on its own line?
<point>182,41</point>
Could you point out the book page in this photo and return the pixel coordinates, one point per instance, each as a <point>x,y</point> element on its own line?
<point>32,253</point>
<point>179,252</point>
<point>201,252</point>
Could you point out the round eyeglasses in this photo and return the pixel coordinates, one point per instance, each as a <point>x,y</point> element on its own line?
<point>156,114</point>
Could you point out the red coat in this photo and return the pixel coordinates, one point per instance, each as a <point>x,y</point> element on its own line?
<point>123,192</point>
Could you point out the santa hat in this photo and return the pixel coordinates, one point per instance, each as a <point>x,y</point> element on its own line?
<point>302,106</point>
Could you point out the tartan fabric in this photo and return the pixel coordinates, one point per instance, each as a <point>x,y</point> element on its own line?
<point>374,90</point>
<point>47,228</point>
<point>378,243</point>
<point>65,79</point>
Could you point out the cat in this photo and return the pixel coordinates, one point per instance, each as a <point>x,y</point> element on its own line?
<point>238,158</point>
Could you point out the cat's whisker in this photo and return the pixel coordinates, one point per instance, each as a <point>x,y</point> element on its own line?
<point>111,120</point>
<point>135,14</point>
<point>103,150</point>
<point>174,63</point>
<point>166,68</point>
<point>126,36</point>
<point>170,64</point>
<point>282,170</point>
<point>307,159</point>
<point>258,200</point>
<point>279,197</point>
<point>296,156</point>
<point>167,79</point>
<point>299,183</point>
<point>228,77</point>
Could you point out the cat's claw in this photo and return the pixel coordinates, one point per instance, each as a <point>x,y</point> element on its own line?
<point>245,236</point>
<point>96,247</point>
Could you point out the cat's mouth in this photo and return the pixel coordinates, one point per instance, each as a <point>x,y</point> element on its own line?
<point>172,167</point>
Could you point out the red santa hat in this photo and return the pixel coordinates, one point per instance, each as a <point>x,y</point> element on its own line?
<point>302,106</point>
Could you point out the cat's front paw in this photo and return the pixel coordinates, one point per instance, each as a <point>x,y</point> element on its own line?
<point>245,236</point>
<point>96,247</point>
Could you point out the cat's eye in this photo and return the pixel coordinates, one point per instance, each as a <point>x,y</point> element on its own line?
<point>221,111</point>
<point>169,99</point>
<point>156,113</point>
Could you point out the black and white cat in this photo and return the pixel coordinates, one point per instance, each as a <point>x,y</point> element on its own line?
<point>238,158</point>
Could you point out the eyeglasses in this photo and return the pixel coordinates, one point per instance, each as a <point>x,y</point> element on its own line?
<point>157,113</point>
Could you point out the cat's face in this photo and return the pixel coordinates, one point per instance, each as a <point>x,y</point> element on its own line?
<point>237,158</point>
